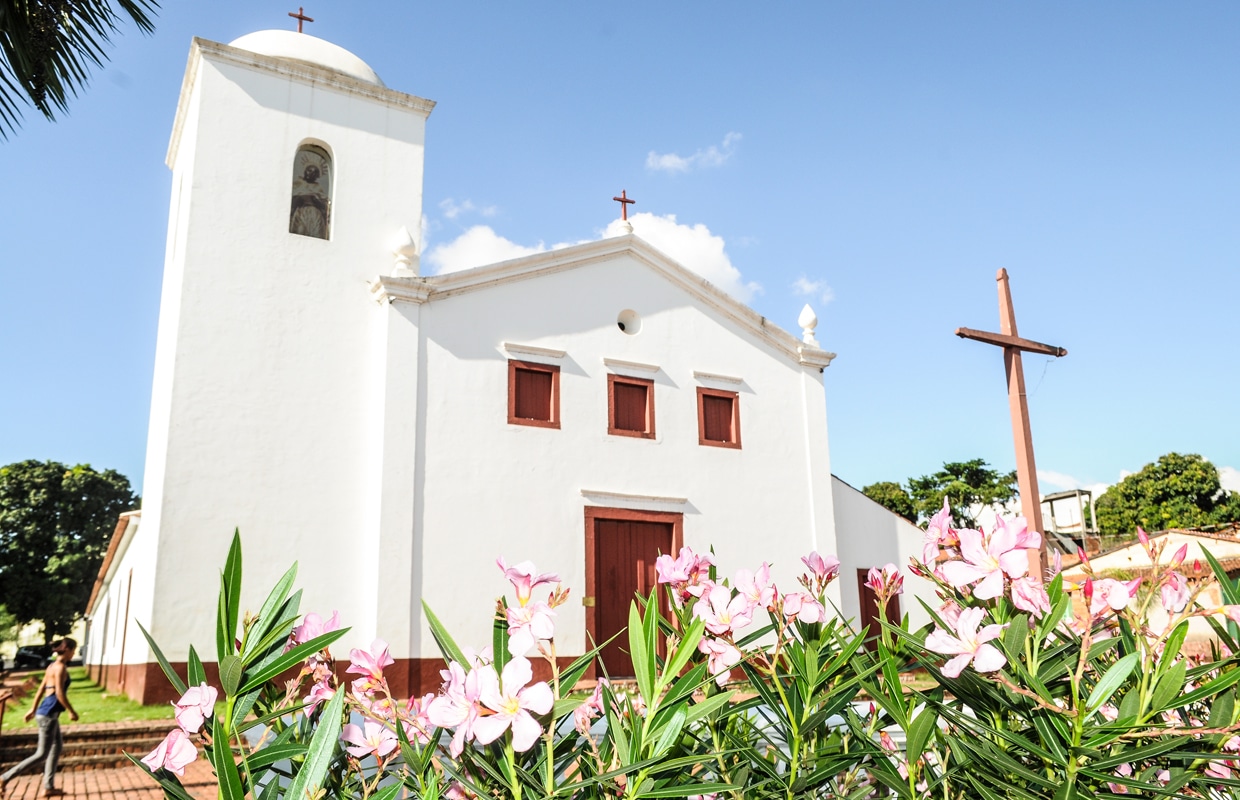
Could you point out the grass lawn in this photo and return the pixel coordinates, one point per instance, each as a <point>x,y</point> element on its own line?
<point>91,704</point>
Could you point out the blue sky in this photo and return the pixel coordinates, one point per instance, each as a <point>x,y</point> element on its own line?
<point>880,160</point>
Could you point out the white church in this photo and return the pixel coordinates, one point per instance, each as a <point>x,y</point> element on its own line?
<point>586,408</point>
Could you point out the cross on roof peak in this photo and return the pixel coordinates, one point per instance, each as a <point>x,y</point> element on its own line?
<point>301,17</point>
<point>624,202</point>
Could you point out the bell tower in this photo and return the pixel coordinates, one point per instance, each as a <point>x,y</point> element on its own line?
<point>296,179</point>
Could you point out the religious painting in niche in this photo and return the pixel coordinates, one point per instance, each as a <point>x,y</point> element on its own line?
<point>312,193</point>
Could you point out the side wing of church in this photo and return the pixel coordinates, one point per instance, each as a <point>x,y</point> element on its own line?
<point>587,408</point>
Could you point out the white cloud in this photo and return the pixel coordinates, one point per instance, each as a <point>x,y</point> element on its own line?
<point>694,246</point>
<point>710,157</point>
<point>1229,477</point>
<point>477,246</point>
<point>818,289</point>
<point>452,209</point>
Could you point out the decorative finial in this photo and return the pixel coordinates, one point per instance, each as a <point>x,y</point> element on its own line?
<point>406,251</point>
<point>301,17</point>
<point>808,321</point>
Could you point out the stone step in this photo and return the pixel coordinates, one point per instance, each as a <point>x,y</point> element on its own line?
<point>96,732</point>
<point>143,745</point>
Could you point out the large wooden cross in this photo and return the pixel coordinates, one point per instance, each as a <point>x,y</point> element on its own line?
<point>1026,470</point>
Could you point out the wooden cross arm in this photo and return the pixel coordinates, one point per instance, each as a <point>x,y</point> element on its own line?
<point>1004,340</point>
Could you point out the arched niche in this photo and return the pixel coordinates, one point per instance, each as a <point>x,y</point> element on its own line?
<point>311,212</point>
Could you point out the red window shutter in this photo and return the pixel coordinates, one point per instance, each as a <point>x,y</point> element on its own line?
<point>533,394</point>
<point>630,407</point>
<point>717,418</point>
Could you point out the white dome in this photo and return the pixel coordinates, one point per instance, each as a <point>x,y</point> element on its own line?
<point>306,48</point>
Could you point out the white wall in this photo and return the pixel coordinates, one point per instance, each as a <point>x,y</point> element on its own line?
<point>491,489</point>
<point>871,536</point>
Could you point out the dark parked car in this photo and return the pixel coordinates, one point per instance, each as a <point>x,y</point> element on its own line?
<point>33,657</point>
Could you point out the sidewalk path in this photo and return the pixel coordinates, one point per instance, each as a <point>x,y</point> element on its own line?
<point>130,783</point>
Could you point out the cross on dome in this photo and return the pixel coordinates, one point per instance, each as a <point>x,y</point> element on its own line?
<point>301,17</point>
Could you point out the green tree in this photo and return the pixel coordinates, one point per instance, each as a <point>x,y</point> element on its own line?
<point>47,48</point>
<point>893,497</point>
<point>55,524</point>
<point>967,485</point>
<point>1176,491</point>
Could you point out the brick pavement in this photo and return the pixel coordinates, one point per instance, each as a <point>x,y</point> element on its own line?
<point>130,783</point>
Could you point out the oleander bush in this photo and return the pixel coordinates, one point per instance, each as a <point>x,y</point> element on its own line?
<point>1040,688</point>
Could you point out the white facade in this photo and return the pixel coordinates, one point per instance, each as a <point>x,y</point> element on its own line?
<point>358,424</point>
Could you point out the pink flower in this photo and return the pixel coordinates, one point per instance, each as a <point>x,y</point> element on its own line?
<point>312,627</point>
<point>985,560</point>
<point>1113,594</point>
<point>721,656</point>
<point>1029,595</point>
<point>457,706</point>
<point>585,713</point>
<point>319,693</point>
<point>528,624</point>
<point>1174,593</point>
<point>804,608</point>
<point>174,753</point>
<point>194,707</point>
<point>525,578</point>
<point>370,666</point>
<point>511,698</point>
<point>418,723</point>
<point>722,612</point>
<point>1180,555</point>
<point>938,530</point>
<point>824,569</point>
<point>370,738</point>
<point>756,587</point>
<point>1025,538</point>
<point>687,573</point>
<point>968,645</point>
<point>886,581</point>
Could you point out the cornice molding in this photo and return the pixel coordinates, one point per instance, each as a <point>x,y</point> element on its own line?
<point>300,71</point>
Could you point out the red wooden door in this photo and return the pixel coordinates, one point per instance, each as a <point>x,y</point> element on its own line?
<point>624,556</point>
<point>869,610</point>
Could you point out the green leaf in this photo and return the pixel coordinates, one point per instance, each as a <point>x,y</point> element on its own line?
<point>230,674</point>
<point>1227,680</point>
<point>1168,687</point>
<point>267,615</point>
<point>169,672</point>
<point>444,639</point>
<point>686,789</point>
<point>194,672</point>
<point>1111,680</point>
<point>1171,650</point>
<point>230,601</point>
<point>319,755</point>
<point>266,756</point>
<point>387,792</point>
<point>301,652</point>
<point>225,763</point>
<point>499,636</point>
<point>708,706</point>
<point>919,733</point>
<point>1230,589</point>
<point>1014,636</point>
<point>643,660</point>
<point>1222,710</point>
<point>667,736</point>
<point>685,649</point>
<point>567,705</point>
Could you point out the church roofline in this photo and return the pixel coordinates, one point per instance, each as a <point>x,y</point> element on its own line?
<point>299,70</point>
<point>422,290</point>
<point>126,524</point>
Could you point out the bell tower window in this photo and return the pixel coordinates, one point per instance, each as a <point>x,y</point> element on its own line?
<point>311,213</point>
